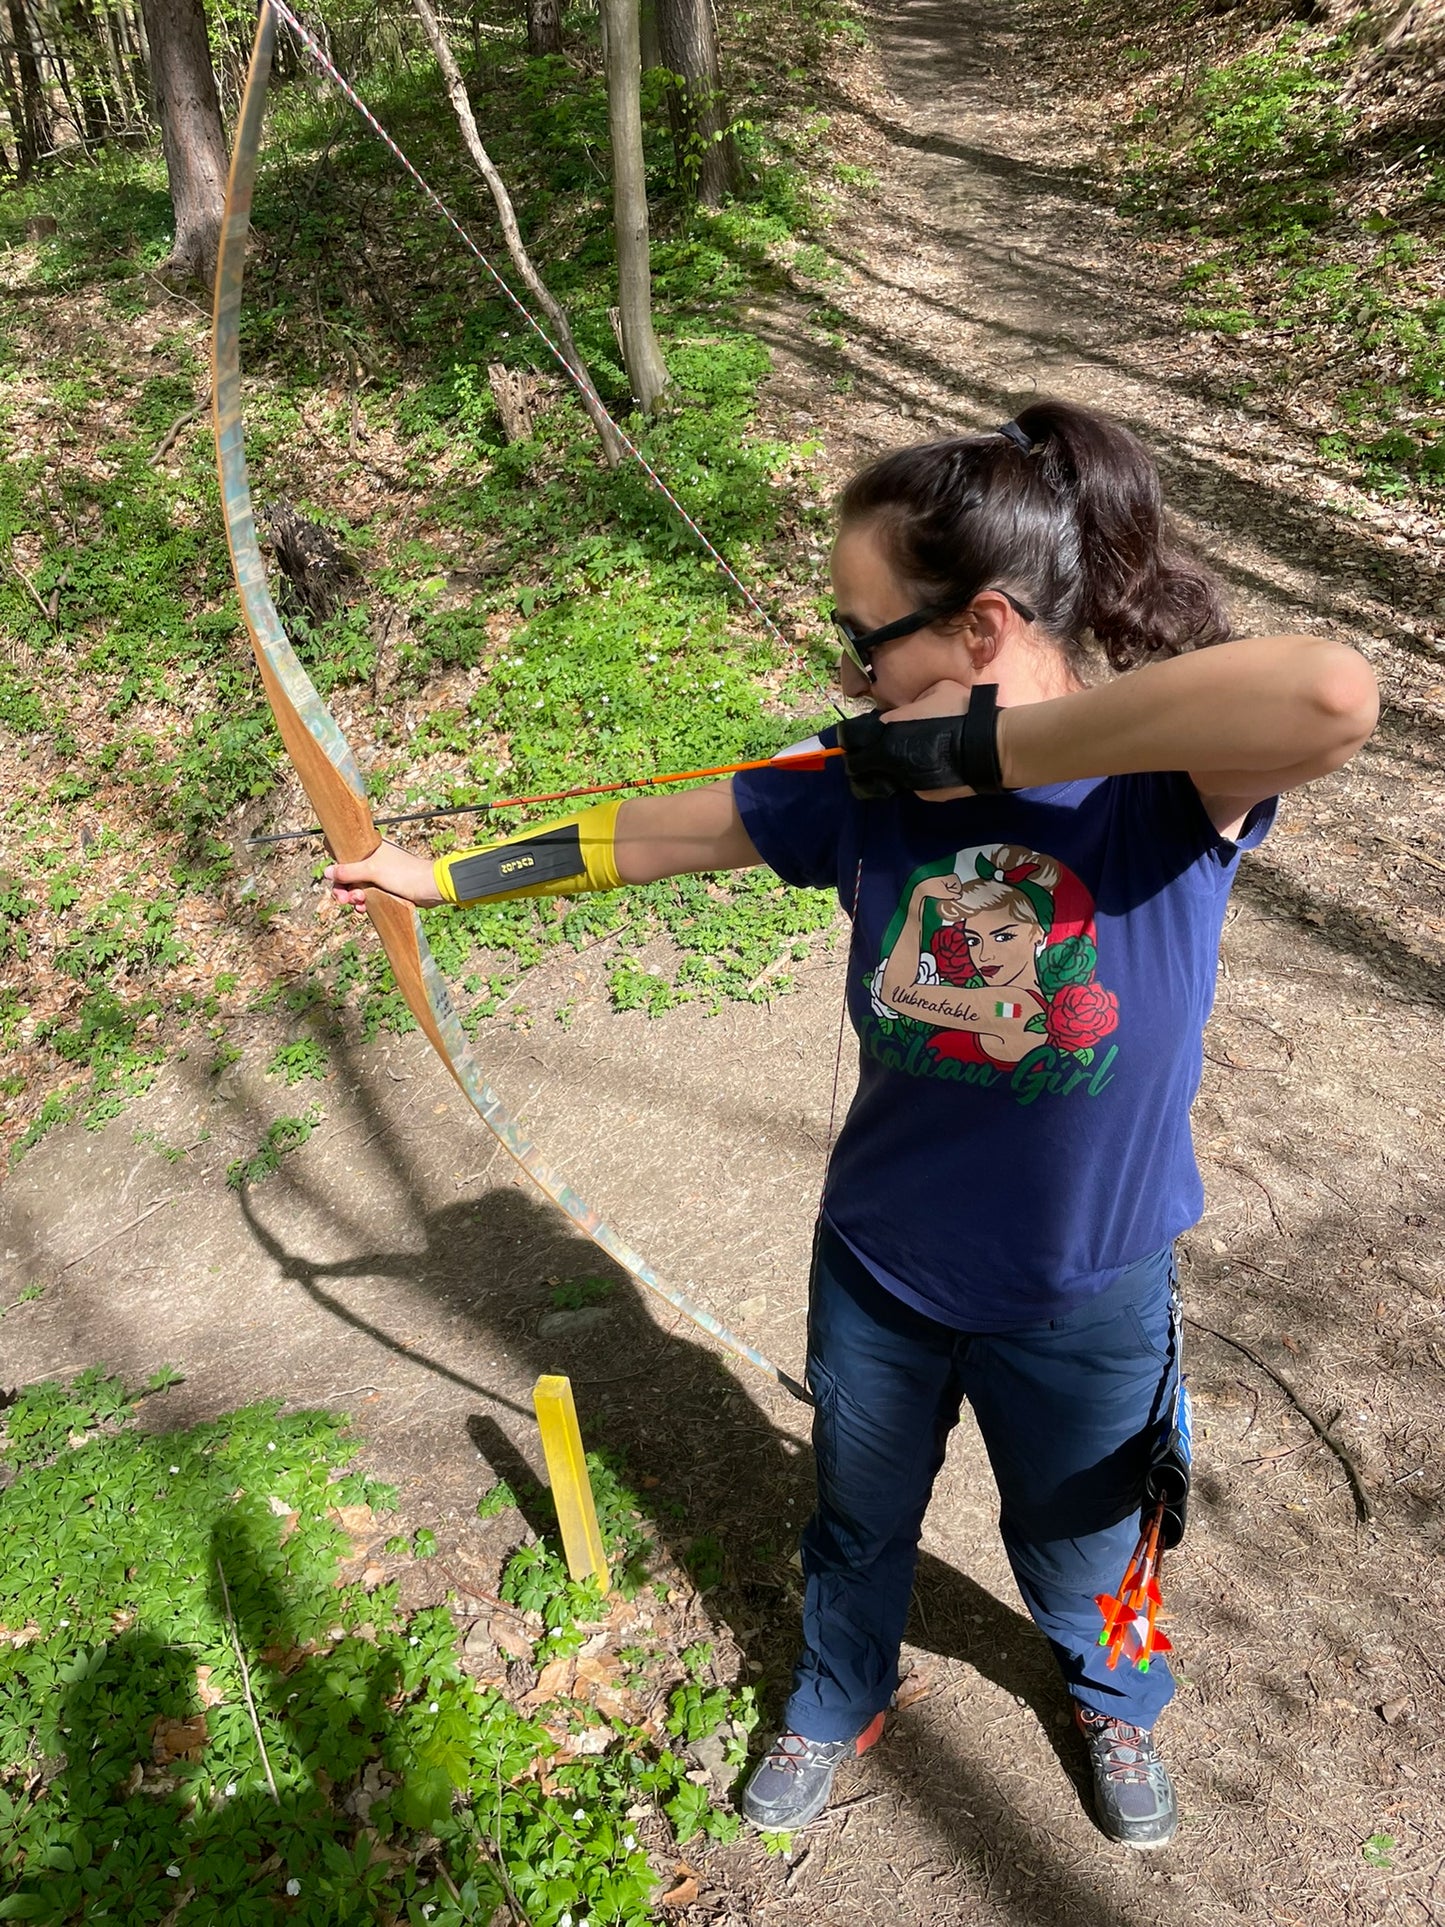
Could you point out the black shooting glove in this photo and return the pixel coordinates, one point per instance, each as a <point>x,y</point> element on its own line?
<point>927,753</point>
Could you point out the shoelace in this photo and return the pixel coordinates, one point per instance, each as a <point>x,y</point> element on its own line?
<point>789,1751</point>
<point>1124,1738</point>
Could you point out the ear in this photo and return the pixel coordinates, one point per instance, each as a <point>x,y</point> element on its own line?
<point>983,628</point>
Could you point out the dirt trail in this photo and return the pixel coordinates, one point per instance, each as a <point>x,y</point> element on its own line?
<point>394,1267</point>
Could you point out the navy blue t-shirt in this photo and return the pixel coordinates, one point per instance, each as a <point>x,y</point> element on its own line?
<point>1029,978</point>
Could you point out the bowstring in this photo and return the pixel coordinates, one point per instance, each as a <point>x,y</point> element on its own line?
<point>842,1027</point>
<point>574,374</point>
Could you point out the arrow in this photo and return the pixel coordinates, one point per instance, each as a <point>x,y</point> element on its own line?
<point>807,759</point>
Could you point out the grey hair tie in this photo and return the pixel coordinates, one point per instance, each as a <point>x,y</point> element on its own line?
<point>1020,437</point>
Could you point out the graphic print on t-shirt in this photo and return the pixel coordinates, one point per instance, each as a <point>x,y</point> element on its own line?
<point>988,975</point>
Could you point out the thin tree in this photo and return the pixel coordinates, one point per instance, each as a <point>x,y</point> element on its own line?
<point>707,159</point>
<point>184,89</point>
<point>521,260</point>
<point>651,44</point>
<point>544,27</point>
<point>30,114</point>
<point>83,43</point>
<point>646,370</point>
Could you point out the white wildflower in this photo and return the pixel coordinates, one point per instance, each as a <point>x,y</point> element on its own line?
<point>173,1872</point>
<point>434,1707</point>
<point>293,1887</point>
<point>580,1814</point>
<point>175,1468</point>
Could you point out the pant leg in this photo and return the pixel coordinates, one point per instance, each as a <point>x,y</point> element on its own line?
<point>1093,1385</point>
<point>886,1391</point>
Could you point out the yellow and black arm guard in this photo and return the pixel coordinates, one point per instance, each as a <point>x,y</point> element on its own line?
<point>556,860</point>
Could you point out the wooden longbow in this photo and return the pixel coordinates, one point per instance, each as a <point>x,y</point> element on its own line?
<point>322,756</point>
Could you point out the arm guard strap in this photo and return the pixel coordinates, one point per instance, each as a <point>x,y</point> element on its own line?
<point>555,860</point>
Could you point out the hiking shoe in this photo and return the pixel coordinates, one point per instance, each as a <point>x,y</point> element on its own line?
<point>791,1783</point>
<point>1133,1795</point>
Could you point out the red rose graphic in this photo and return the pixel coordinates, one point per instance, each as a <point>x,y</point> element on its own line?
<point>951,954</point>
<point>1080,1014</point>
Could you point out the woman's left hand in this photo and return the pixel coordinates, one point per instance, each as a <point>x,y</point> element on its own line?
<point>398,872</point>
<point>940,699</point>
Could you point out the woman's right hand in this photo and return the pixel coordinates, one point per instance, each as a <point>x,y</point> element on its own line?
<point>940,888</point>
<point>397,871</point>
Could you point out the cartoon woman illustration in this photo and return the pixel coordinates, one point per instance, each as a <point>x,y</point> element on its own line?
<point>997,954</point>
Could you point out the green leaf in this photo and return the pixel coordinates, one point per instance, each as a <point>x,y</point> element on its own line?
<point>426,1798</point>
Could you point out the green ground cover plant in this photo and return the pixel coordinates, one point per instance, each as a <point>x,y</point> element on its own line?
<point>199,1724</point>
<point>1314,240</point>
<point>507,615</point>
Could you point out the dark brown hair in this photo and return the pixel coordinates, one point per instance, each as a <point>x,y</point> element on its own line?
<point>1075,527</point>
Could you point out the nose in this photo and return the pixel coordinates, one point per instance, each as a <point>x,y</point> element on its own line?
<point>851,679</point>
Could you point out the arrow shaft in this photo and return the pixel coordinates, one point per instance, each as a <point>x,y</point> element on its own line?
<point>809,759</point>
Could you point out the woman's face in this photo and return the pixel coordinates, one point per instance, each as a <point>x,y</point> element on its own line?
<point>867,592</point>
<point>1002,948</point>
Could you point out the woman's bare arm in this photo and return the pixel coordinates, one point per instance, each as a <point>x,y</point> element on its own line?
<point>1246,719</point>
<point>656,836</point>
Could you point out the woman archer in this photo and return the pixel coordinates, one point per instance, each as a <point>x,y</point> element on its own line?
<point>1037,870</point>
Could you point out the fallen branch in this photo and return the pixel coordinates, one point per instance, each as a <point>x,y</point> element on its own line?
<point>168,440</point>
<point>246,1682</point>
<point>110,1236</point>
<point>36,596</point>
<point>511,234</point>
<point>1364,1510</point>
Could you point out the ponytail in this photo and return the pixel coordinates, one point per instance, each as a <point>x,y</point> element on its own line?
<point>1065,510</point>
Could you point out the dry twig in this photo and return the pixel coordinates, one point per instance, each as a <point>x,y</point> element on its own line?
<point>246,1682</point>
<point>168,440</point>
<point>1364,1510</point>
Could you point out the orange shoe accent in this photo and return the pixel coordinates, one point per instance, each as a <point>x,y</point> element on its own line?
<point>870,1735</point>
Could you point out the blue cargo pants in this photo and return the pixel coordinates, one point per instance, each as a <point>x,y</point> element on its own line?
<point>1067,1410</point>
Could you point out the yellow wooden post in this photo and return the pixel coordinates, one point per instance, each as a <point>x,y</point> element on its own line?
<point>571,1487</point>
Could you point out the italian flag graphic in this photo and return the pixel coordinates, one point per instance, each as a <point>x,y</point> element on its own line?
<point>1008,1010</point>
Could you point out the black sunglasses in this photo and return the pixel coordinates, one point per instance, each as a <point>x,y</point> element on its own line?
<point>858,644</point>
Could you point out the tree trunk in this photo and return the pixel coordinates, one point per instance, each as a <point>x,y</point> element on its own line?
<point>122,71</point>
<point>10,100</point>
<point>133,29</point>
<point>87,54</point>
<point>651,44</point>
<point>189,111</point>
<point>521,260</point>
<point>646,370</point>
<point>34,135</point>
<point>707,160</point>
<point>544,27</point>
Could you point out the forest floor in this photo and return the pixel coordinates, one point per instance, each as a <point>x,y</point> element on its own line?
<point>398,1270</point>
